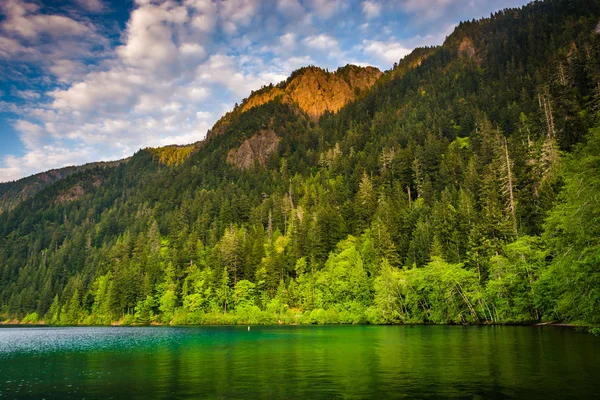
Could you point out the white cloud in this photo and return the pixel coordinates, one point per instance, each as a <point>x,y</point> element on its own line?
<point>225,70</point>
<point>388,52</point>
<point>290,8</point>
<point>237,12</point>
<point>425,11</point>
<point>30,33</point>
<point>288,41</point>
<point>192,50</point>
<point>31,134</point>
<point>204,116</point>
<point>204,16</point>
<point>327,8</point>
<point>91,5</point>
<point>150,36</point>
<point>102,91</point>
<point>24,20</point>
<point>44,159</point>
<point>321,42</point>
<point>68,70</point>
<point>371,8</point>
<point>26,94</point>
<point>10,48</point>
<point>196,93</point>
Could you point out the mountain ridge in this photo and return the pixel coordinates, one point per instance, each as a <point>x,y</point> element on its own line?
<point>14,192</point>
<point>313,89</point>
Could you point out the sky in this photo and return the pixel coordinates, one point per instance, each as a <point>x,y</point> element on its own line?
<point>97,80</point>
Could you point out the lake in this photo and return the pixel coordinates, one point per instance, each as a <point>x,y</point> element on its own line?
<point>297,362</point>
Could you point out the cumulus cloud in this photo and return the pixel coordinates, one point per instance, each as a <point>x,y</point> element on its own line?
<point>327,8</point>
<point>321,42</point>
<point>30,34</point>
<point>427,11</point>
<point>204,14</point>
<point>290,8</point>
<point>288,40</point>
<point>31,134</point>
<point>67,70</point>
<point>91,5</point>
<point>224,70</point>
<point>26,94</point>
<point>388,52</point>
<point>236,13</point>
<point>371,8</point>
<point>24,20</point>
<point>151,27</point>
<point>44,159</point>
<point>12,48</point>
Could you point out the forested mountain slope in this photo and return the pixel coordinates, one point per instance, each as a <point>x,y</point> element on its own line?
<point>13,193</point>
<point>459,188</point>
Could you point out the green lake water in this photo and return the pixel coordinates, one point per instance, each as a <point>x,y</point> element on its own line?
<point>303,362</point>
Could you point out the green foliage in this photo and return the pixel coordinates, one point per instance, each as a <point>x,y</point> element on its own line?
<point>144,311</point>
<point>172,155</point>
<point>511,286</point>
<point>167,303</point>
<point>573,233</point>
<point>441,292</point>
<point>387,307</point>
<point>32,318</point>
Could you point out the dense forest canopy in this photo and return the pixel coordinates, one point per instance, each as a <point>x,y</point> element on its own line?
<point>462,187</point>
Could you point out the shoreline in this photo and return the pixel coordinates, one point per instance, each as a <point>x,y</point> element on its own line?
<point>16,323</point>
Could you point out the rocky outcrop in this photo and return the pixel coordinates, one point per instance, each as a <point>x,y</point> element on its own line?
<point>316,91</point>
<point>466,48</point>
<point>255,150</point>
<point>73,193</point>
<point>263,97</point>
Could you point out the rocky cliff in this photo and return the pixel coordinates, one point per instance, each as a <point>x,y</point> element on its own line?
<point>255,150</point>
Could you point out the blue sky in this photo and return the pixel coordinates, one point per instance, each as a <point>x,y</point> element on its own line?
<point>90,80</point>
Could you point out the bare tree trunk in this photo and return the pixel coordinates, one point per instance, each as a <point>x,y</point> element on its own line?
<point>545,102</point>
<point>509,178</point>
<point>270,226</point>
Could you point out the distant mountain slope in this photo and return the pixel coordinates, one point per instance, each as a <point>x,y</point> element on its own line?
<point>13,193</point>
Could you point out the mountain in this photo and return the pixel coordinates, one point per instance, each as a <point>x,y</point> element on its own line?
<point>13,193</point>
<point>457,187</point>
<point>311,89</point>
